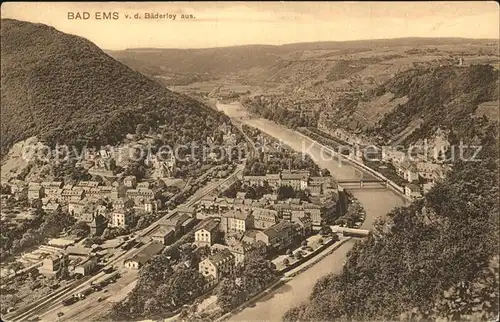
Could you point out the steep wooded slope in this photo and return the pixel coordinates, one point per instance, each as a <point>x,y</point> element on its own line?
<point>63,88</point>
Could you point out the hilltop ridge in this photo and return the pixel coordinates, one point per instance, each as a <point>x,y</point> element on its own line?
<point>63,88</point>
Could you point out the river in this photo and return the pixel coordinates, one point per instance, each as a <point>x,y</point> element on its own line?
<point>377,202</point>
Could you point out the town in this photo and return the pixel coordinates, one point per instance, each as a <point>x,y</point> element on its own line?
<point>120,222</point>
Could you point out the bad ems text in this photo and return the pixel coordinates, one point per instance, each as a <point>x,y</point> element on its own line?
<point>98,15</point>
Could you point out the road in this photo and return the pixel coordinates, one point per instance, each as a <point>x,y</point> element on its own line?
<point>52,301</point>
<point>377,202</point>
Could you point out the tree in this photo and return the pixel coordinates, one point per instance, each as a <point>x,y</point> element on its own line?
<point>5,189</point>
<point>80,229</point>
<point>257,273</point>
<point>151,307</point>
<point>325,230</point>
<point>321,241</point>
<point>141,129</point>
<point>286,261</point>
<point>229,294</point>
<point>285,192</point>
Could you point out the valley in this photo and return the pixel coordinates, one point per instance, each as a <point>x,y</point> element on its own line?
<point>275,181</point>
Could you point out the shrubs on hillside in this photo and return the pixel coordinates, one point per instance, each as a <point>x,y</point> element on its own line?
<point>417,263</point>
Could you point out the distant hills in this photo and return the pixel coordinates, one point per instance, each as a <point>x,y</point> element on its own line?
<point>436,259</point>
<point>63,88</point>
<point>221,60</point>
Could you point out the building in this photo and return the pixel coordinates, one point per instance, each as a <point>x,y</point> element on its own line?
<point>218,265</point>
<point>16,186</point>
<point>427,186</point>
<point>87,185</point>
<point>236,220</point>
<point>52,184</point>
<point>143,185</point>
<point>143,256</point>
<point>315,212</point>
<point>164,235</point>
<point>298,181</point>
<point>87,267</point>
<point>78,252</point>
<point>151,205</point>
<point>240,250</point>
<point>190,211</point>
<point>175,222</point>
<point>35,192</point>
<point>413,191</point>
<point>121,219</point>
<point>188,224</point>
<point>264,218</point>
<point>51,207</point>
<point>52,192</point>
<point>123,204</point>
<point>54,265</point>
<point>241,195</point>
<point>207,234</point>
<point>130,181</point>
<point>407,171</point>
<point>304,226</point>
<point>85,210</point>
<point>68,195</point>
<point>277,237</point>
<point>140,194</point>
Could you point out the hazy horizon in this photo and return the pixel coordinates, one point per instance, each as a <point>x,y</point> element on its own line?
<point>229,24</point>
<point>304,42</point>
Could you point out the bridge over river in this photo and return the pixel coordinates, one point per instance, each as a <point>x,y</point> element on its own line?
<point>377,202</point>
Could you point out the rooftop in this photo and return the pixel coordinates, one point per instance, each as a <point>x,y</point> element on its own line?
<point>275,230</point>
<point>242,215</point>
<point>147,253</point>
<point>221,256</point>
<point>210,225</point>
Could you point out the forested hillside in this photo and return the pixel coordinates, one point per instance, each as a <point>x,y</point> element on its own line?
<point>62,88</point>
<point>445,97</point>
<point>436,259</point>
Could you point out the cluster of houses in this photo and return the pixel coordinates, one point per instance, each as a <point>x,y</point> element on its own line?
<point>298,180</point>
<point>234,228</point>
<point>242,238</point>
<point>421,176</point>
<point>62,255</point>
<point>85,200</point>
<point>250,226</point>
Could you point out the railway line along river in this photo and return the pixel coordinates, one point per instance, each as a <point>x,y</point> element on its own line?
<point>377,202</point>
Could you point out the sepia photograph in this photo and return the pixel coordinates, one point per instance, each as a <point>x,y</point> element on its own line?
<point>280,161</point>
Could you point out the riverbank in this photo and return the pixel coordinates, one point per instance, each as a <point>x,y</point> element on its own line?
<point>286,278</point>
<point>376,202</point>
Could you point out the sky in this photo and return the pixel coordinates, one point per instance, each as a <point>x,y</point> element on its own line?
<point>218,24</point>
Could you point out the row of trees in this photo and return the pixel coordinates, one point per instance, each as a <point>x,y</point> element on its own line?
<point>280,161</point>
<point>252,276</point>
<point>16,238</point>
<point>292,119</point>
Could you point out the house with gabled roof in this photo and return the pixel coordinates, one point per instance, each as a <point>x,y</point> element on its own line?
<point>218,265</point>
